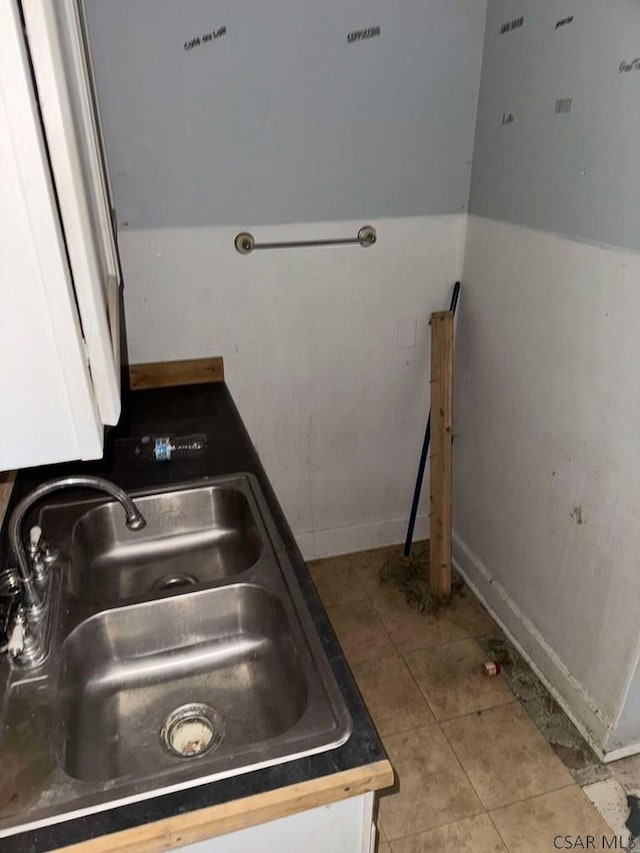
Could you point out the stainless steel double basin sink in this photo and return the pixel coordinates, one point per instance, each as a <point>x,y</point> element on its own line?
<point>182,653</point>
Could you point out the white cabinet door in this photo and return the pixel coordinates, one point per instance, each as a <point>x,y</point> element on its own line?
<point>62,69</point>
<point>48,408</point>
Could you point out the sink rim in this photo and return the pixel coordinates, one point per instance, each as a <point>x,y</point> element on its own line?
<point>243,481</point>
<point>90,560</point>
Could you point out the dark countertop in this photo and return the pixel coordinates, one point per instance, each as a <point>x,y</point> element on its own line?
<point>181,411</point>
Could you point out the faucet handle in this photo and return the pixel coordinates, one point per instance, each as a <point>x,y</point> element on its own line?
<point>25,644</point>
<point>35,535</point>
<point>16,643</point>
<point>41,553</point>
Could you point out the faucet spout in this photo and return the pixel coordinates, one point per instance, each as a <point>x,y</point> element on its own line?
<point>33,598</point>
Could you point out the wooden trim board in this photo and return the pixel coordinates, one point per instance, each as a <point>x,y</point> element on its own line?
<point>440,463</point>
<point>239,814</point>
<point>162,374</point>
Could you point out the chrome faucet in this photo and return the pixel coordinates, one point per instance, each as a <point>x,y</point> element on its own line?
<point>31,625</point>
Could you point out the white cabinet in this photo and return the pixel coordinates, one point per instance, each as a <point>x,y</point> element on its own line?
<point>59,271</point>
<point>345,826</point>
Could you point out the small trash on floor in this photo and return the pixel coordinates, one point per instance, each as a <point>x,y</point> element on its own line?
<point>410,575</point>
<point>563,737</point>
<point>491,668</point>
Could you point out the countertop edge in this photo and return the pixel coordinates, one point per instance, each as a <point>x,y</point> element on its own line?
<point>235,815</point>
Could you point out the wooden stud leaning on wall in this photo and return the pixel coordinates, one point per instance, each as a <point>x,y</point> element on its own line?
<point>440,460</point>
<point>162,374</point>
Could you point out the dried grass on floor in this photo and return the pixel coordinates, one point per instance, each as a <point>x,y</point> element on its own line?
<point>410,575</point>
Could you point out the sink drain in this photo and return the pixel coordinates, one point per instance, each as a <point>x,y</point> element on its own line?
<point>192,730</point>
<point>172,581</point>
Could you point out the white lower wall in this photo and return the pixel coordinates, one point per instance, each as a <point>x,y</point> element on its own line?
<point>547,459</point>
<point>319,352</point>
<point>317,349</point>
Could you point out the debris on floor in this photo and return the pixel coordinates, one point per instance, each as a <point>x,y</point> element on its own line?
<point>563,737</point>
<point>611,792</point>
<point>633,821</point>
<point>410,575</point>
<point>611,800</point>
<point>491,668</point>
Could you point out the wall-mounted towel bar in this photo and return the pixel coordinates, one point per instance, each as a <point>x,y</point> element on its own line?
<point>245,243</point>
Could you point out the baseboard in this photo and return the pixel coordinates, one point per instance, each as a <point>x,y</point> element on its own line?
<point>621,752</point>
<point>565,689</point>
<point>359,537</point>
<point>307,545</point>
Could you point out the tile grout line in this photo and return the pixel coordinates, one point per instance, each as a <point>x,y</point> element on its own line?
<point>366,660</point>
<point>402,655</point>
<point>370,600</point>
<point>482,809</point>
<point>573,784</point>
<point>443,826</point>
<point>479,711</point>
<point>392,841</point>
<point>511,803</point>
<point>429,708</point>
<point>499,834</point>
<point>513,700</point>
<point>461,766</point>
<point>420,691</point>
<point>381,658</point>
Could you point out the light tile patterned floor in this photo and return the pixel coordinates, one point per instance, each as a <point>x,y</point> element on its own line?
<point>473,772</point>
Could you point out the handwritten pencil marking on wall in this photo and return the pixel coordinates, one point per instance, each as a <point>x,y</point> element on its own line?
<point>564,105</point>
<point>361,35</point>
<point>625,66</point>
<point>512,25</point>
<point>205,38</point>
<point>564,22</point>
